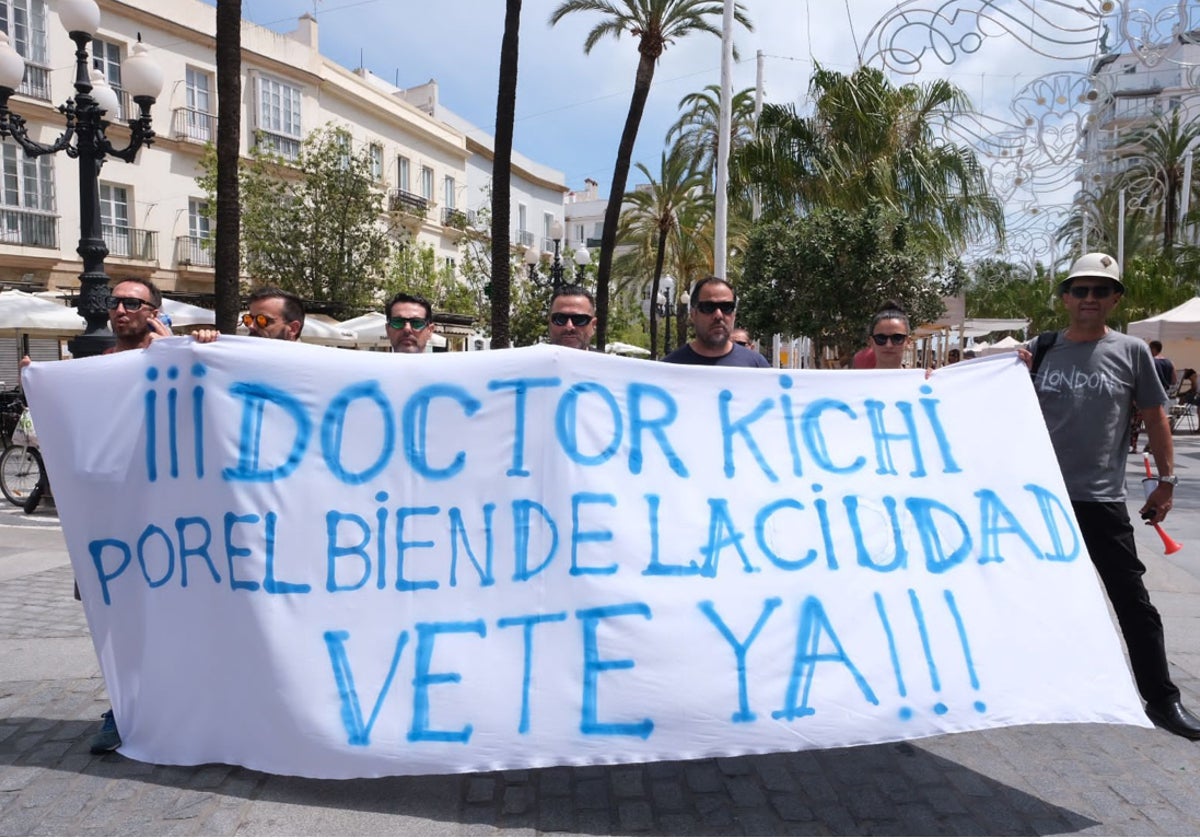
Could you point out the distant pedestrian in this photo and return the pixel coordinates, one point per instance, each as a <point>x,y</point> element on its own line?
<point>1163,366</point>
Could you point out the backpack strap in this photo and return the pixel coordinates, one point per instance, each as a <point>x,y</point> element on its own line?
<point>1044,342</point>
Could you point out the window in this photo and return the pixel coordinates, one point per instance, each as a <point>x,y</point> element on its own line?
<point>199,120</point>
<point>449,192</point>
<point>579,235</point>
<point>375,154</point>
<point>27,198</point>
<point>402,179</point>
<point>24,21</point>
<point>279,116</point>
<point>426,183</point>
<point>345,150</point>
<point>114,219</point>
<point>106,57</point>
<point>199,224</point>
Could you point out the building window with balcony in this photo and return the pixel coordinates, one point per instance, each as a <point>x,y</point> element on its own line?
<point>403,167</point>
<point>24,21</point>
<point>196,247</point>
<point>375,156</point>
<point>106,57</point>
<point>426,183</point>
<point>279,117</point>
<point>197,123</point>
<point>27,214</point>
<point>114,220</point>
<point>448,191</point>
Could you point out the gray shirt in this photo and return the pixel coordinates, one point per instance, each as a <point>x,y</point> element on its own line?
<point>1087,390</point>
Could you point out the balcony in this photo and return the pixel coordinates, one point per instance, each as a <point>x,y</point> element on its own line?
<point>452,218</point>
<point>524,238</point>
<point>195,251</point>
<point>403,201</point>
<point>195,126</point>
<point>130,243</point>
<point>36,83</point>
<point>27,227</point>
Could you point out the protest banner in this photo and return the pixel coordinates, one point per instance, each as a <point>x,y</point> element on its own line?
<point>334,564</point>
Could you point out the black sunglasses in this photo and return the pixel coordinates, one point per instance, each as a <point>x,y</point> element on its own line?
<point>883,338</point>
<point>417,324</point>
<point>708,307</point>
<point>262,320</point>
<point>131,304</point>
<point>579,319</point>
<point>1098,292</point>
<point>743,343</point>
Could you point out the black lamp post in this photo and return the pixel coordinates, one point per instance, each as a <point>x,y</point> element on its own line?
<point>85,125</point>
<point>533,256</point>
<point>665,304</point>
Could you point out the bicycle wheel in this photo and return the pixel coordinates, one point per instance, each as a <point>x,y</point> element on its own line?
<point>20,471</point>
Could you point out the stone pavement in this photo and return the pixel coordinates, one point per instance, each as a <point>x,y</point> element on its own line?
<point>1056,779</point>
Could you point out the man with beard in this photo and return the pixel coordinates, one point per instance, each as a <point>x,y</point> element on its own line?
<point>274,313</point>
<point>711,310</point>
<point>133,314</point>
<point>409,322</point>
<point>572,317</point>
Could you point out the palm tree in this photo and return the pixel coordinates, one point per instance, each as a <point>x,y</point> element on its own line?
<point>1159,153</point>
<point>870,141</point>
<point>654,215</point>
<point>1103,214</point>
<point>655,24</point>
<point>506,105</point>
<point>226,254</point>
<point>698,126</point>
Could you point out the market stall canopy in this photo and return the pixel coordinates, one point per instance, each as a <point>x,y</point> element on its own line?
<point>1182,322</point>
<point>24,313</point>
<point>974,327</point>
<point>620,348</point>
<point>1003,345</point>
<point>187,315</point>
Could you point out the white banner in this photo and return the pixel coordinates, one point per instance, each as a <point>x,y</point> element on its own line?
<point>333,564</point>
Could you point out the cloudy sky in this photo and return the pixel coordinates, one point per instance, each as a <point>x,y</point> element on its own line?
<point>571,106</point>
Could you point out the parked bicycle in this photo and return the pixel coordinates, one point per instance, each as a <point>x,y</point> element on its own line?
<point>21,467</point>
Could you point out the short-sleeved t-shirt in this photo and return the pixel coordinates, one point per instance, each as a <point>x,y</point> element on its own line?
<point>1087,390</point>
<point>739,356</point>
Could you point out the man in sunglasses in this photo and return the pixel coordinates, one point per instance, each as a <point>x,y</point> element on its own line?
<point>133,314</point>
<point>409,324</point>
<point>711,310</point>
<point>1088,379</point>
<point>572,317</point>
<point>274,313</point>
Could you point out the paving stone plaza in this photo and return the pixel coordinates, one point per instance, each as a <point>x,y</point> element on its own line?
<point>1031,780</point>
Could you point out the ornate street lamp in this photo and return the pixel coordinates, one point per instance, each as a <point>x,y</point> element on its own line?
<point>533,256</point>
<point>668,306</point>
<point>85,125</point>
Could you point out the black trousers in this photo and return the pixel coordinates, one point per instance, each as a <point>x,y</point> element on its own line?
<point>1108,535</point>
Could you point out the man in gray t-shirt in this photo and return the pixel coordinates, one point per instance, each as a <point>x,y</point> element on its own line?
<point>1087,382</point>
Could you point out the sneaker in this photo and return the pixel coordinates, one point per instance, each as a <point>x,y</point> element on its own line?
<point>108,738</point>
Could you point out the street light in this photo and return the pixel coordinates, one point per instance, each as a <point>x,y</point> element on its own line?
<point>85,124</point>
<point>533,256</point>
<point>668,306</point>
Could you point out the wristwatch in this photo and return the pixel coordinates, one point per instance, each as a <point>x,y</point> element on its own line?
<point>1168,479</point>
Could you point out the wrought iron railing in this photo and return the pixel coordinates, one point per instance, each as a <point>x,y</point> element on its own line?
<point>132,243</point>
<point>190,124</point>
<point>194,251</point>
<point>28,227</point>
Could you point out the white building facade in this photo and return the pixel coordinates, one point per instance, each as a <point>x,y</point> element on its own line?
<point>434,170</point>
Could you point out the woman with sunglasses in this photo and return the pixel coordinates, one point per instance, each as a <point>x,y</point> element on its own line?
<point>889,336</point>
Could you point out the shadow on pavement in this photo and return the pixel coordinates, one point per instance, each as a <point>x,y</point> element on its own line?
<point>892,789</point>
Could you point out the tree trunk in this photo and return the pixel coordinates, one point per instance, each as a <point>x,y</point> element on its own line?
<point>226,283</point>
<point>506,105</point>
<point>616,194</point>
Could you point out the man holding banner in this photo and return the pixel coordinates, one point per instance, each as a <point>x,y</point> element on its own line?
<point>410,323</point>
<point>1088,381</point>
<point>572,317</point>
<point>711,310</point>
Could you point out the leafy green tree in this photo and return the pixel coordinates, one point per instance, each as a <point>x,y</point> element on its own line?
<point>654,212</point>
<point>1158,153</point>
<point>698,129</point>
<point>655,24</point>
<point>313,225</point>
<point>867,142</point>
<point>415,268</point>
<point>824,275</point>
